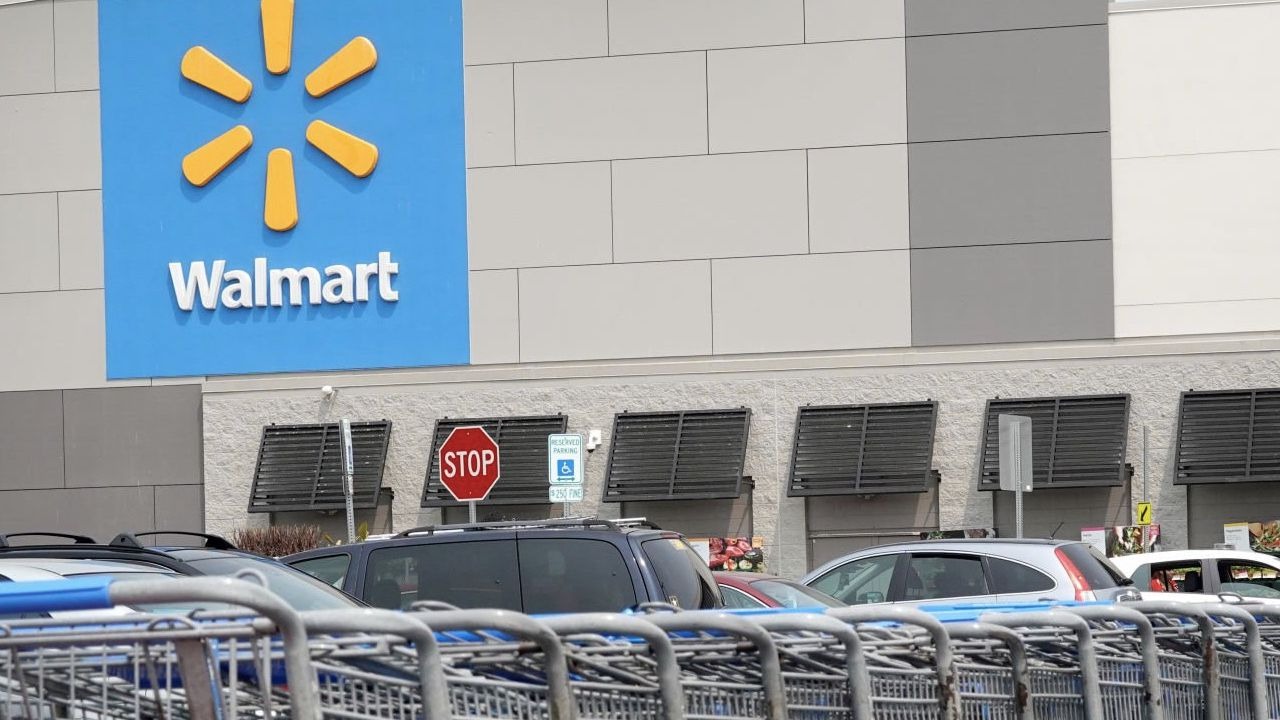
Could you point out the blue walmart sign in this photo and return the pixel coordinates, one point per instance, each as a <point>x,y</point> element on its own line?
<point>284,185</point>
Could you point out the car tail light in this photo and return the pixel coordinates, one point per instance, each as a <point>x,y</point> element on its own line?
<point>1084,593</point>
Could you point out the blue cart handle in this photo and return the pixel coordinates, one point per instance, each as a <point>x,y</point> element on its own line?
<point>90,593</point>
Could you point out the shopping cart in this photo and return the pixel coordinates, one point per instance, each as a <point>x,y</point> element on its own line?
<point>140,666</point>
<point>501,664</point>
<point>992,679</point>
<point>376,664</point>
<point>909,661</point>
<point>1128,662</point>
<point>1211,661</point>
<point>823,664</point>
<point>1268,617</point>
<point>729,665</point>
<point>1062,663</point>
<point>620,667</point>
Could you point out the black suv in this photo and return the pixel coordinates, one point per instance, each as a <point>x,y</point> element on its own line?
<point>556,566</point>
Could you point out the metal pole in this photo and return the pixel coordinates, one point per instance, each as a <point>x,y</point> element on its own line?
<point>1017,493</point>
<point>1145,497</point>
<point>471,511</point>
<point>1017,510</point>
<point>348,478</point>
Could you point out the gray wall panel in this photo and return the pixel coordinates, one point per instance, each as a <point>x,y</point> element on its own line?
<point>31,440</point>
<point>1001,84</point>
<point>1209,507</point>
<point>1013,190</point>
<point>133,436</point>
<point>97,512</point>
<point>1012,293</point>
<point>180,507</point>
<point>930,17</point>
<point>1063,511</point>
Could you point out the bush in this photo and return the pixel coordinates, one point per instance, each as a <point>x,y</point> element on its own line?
<point>279,540</point>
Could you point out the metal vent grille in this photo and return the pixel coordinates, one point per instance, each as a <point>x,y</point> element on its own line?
<point>688,455</point>
<point>522,442</point>
<point>863,449</point>
<point>300,467</point>
<point>1077,441</point>
<point>1228,436</point>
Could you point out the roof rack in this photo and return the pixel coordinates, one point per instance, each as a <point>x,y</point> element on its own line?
<point>636,522</point>
<point>585,522</point>
<point>76,539</point>
<point>211,542</point>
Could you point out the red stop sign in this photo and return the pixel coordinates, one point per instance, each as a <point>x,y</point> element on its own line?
<point>469,466</point>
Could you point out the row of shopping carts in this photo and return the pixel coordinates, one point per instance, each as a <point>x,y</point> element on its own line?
<point>263,660</point>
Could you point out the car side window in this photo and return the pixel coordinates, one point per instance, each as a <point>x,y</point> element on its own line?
<point>479,574</point>
<point>735,599</point>
<point>1011,577</point>
<point>574,575</point>
<point>1176,577</point>
<point>935,577</point>
<point>861,581</point>
<point>330,568</point>
<point>1141,577</point>
<point>1249,579</point>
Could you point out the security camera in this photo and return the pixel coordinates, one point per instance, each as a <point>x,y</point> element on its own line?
<point>328,392</point>
<point>593,440</point>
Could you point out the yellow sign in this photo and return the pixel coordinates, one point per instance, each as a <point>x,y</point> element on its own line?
<point>1144,513</point>
<point>356,155</point>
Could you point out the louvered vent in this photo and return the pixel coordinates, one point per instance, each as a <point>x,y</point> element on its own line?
<point>300,467</point>
<point>1228,436</point>
<point>522,444</point>
<point>863,449</point>
<point>1077,441</point>
<point>693,455</point>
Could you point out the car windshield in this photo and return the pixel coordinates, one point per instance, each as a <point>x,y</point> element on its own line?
<point>791,595</point>
<point>298,589</point>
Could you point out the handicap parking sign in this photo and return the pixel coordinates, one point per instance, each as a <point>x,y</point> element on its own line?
<point>564,459</point>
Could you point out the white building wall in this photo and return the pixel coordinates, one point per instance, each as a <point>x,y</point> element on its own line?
<point>1195,135</point>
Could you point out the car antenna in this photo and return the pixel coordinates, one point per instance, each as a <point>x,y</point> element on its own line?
<point>1054,535</point>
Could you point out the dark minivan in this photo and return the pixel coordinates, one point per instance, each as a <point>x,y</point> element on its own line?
<point>554,566</point>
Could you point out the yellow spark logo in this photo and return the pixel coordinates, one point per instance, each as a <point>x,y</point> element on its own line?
<point>359,157</point>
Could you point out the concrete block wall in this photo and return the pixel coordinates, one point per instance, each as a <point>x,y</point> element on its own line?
<point>233,421</point>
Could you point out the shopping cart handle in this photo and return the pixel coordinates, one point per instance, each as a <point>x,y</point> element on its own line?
<point>89,593</point>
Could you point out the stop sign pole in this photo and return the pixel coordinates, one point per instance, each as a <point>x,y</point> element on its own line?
<point>470,465</point>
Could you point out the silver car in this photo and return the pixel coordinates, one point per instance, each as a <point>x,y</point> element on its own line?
<point>973,571</point>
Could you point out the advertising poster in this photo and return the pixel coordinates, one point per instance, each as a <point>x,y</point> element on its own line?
<point>1133,539</point>
<point>1097,537</point>
<point>741,554</point>
<point>1256,536</point>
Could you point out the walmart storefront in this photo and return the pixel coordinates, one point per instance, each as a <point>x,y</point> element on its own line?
<point>786,259</point>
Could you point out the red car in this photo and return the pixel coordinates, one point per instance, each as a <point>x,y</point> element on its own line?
<point>749,590</point>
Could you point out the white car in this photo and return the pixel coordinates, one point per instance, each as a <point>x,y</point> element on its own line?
<point>33,569</point>
<point>1203,575</point>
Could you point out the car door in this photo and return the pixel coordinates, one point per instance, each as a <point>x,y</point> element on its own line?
<point>931,577</point>
<point>1178,580</point>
